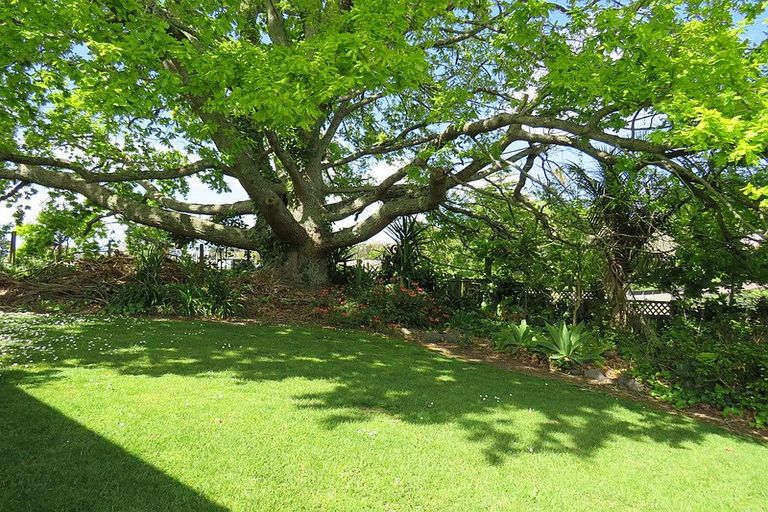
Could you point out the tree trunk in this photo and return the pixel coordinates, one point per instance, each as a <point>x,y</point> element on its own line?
<point>306,267</point>
<point>616,288</point>
<point>578,285</point>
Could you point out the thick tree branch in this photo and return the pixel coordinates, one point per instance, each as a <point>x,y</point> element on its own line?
<point>14,190</point>
<point>291,167</point>
<point>250,161</point>
<point>163,174</point>
<point>93,221</point>
<point>346,108</point>
<point>275,24</point>
<point>219,210</point>
<point>173,222</point>
<point>59,163</point>
<point>112,177</point>
<point>582,133</point>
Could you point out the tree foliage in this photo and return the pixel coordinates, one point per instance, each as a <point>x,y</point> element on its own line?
<point>604,229</point>
<point>62,228</point>
<point>295,101</point>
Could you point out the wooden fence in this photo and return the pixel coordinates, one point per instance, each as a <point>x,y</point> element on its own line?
<point>477,290</point>
<point>652,308</point>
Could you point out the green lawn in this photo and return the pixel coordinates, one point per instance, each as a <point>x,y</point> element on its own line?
<point>101,414</point>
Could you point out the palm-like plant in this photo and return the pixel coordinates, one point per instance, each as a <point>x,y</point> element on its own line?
<point>629,206</point>
<point>405,258</point>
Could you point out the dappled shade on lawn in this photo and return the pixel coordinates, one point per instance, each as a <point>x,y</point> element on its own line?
<point>374,375</point>
<point>257,416</point>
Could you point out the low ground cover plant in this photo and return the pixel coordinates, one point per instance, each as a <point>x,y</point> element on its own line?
<point>194,290</point>
<point>723,363</point>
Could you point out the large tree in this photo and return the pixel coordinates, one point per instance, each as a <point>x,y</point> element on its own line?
<point>122,101</point>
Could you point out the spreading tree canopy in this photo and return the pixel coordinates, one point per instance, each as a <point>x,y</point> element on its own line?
<point>123,101</point>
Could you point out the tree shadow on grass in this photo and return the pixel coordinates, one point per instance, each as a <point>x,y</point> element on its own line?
<point>503,413</point>
<point>50,462</point>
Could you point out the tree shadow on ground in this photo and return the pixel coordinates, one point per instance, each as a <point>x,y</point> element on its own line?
<point>49,462</point>
<point>502,412</point>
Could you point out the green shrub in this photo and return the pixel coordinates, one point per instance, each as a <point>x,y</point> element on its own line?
<point>405,259</point>
<point>191,300</point>
<point>145,291</point>
<point>721,363</point>
<point>136,298</point>
<point>203,291</point>
<point>474,323</point>
<point>515,336</point>
<point>225,298</point>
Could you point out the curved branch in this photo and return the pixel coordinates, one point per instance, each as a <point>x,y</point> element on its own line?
<point>111,177</point>
<point>290,165</point>
<point>15,190</point>
<point>220,210</point>
<point>427,200</point>
<point>580,135</point>
<point>177,223</point>
<point>164,174</point>
<point>60,163</point>
<point>275,24</point>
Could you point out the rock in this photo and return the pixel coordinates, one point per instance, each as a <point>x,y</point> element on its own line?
<point>631,384</point>
<point>433,337</point>
<point>406,332</point>
<point>453,337</point>
<point>597,376</point>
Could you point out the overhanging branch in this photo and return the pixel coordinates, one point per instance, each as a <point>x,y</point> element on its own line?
<point>131,209</point>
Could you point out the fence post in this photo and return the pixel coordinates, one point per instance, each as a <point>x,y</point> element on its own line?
<point>12,253</point>
<point>201,254</point>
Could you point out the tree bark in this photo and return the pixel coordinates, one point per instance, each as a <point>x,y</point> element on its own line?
<point>616,288</point>
<point>306,266</point>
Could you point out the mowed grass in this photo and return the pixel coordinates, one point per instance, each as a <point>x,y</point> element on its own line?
<point>146,415</point>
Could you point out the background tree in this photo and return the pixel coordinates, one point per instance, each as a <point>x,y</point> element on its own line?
<point>62,228</point>
<point>613,225</point>
<point>707,257</point>
<point>122,101</point>
<point>628,208</point>
<point>138,237</point>
<point>521,246</point>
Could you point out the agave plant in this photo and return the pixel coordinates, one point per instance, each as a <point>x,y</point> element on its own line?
<point>566,344</point>
<point>516,335</point>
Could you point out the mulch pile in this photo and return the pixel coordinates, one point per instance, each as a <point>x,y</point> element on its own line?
<point>87,285</point>
<point>269,299</point>
<point>88,281</point>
